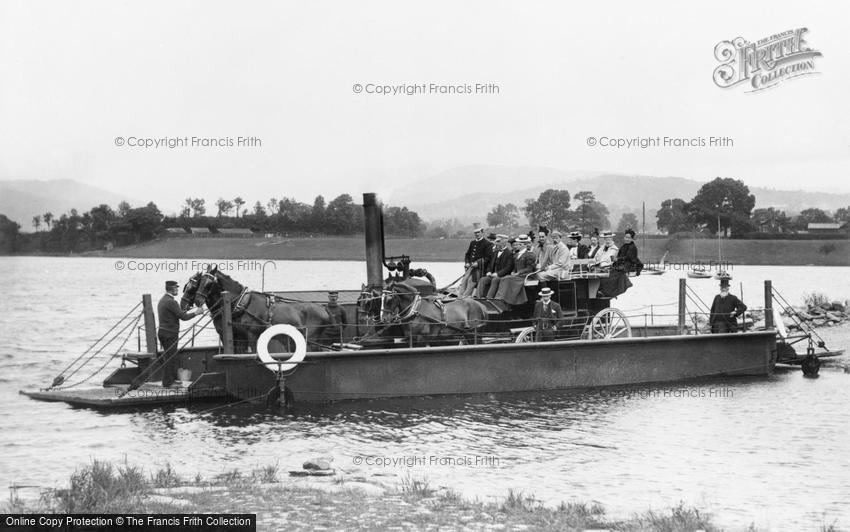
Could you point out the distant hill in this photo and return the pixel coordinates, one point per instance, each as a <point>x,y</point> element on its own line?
<point>448,194</point>
<point>20,200</point>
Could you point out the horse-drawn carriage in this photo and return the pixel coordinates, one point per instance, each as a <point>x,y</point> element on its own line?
<point>407,312</point>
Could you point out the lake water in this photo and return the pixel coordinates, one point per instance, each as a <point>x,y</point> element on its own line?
<point>772,451</point>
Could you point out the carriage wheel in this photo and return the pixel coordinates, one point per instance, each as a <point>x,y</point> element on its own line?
<point>609,323</point>
<point>526,335</point>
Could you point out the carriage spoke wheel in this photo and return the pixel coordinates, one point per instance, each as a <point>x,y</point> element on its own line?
<point>526,335</point>
<point>609,323</point>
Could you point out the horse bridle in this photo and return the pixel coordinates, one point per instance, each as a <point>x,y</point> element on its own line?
<point>407,313</point>
<point>240,305</point>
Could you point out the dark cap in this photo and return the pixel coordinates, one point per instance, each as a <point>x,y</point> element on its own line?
<point>333,293</point>
<point>171,284</point>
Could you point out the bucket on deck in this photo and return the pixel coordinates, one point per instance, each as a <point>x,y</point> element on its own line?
<point>184,374</point>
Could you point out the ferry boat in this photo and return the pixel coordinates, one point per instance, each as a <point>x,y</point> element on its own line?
<point>598,345</point>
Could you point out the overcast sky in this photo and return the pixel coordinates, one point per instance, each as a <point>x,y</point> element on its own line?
<point>77,75</point>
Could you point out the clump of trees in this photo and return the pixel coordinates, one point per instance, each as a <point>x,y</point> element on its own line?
<point>75,232</point>
<point>553,208</point>
<point>726,206</point>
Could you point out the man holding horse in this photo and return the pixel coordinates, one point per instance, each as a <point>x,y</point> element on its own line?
<point>170,314</point>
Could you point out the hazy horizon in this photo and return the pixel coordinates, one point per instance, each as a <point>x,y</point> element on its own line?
<point>82,75</point>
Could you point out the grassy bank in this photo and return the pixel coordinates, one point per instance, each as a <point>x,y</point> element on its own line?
<point>757,252</point>
<point>334,503</point>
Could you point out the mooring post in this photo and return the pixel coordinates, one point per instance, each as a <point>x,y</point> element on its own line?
<point>150,324</point>
<point>768,305</point>
<point>226,323</point>
<point>682,293</point>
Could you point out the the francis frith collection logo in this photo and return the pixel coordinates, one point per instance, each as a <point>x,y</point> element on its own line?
<point>764,63</point>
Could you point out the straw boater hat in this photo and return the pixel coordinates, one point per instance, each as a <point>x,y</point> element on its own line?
<point>523,239</point>
<point>546,292</point>
<point>607,234</point>
<point>502,237</point>
<point>575,235</point>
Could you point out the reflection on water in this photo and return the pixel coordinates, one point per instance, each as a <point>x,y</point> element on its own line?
<point>772,451</point>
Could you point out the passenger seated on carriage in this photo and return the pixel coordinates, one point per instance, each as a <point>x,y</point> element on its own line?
<point>543,248</point>
<point>501,264</point>
<point>559,260</point>
<point>626,261</point>
<point>594,246</point>
<point>581,249</point>
<point>627,256</point>
<point>607,254</point>
<point>511,289</point>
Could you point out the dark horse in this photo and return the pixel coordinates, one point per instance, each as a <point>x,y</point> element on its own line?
<point>253,312</point>
<point>189,290</point>
<point>427,318</point>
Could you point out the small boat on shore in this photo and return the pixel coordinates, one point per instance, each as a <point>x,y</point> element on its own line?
<point>701,273</point>
<point>659,270</point>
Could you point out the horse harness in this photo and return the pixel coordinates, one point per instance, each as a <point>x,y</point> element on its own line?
<point>244,299</point>
<point>414,310</point>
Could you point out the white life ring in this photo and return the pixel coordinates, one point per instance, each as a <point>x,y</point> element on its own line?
<point>286,330</point>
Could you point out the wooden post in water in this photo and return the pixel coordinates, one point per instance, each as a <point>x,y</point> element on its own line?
<point>226,323</point>
<point>768,305</point>
<point>150,324</point>
<point>682,295</point>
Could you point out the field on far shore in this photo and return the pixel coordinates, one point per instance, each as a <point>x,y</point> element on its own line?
<point>754,252</point>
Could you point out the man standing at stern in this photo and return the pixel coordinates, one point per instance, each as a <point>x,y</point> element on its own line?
<point>725,309</point>
<point>170,314</point>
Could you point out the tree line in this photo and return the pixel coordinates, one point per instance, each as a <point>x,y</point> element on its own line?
<point>723,205</point>
<point>103,226</point>
<point>340,216</point>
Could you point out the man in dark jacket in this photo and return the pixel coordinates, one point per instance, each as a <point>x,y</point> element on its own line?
<point>547,316</point>
<point>170,314</point>
<point>725,310</point>
<point>500,265</point>
<point>475,261</point>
